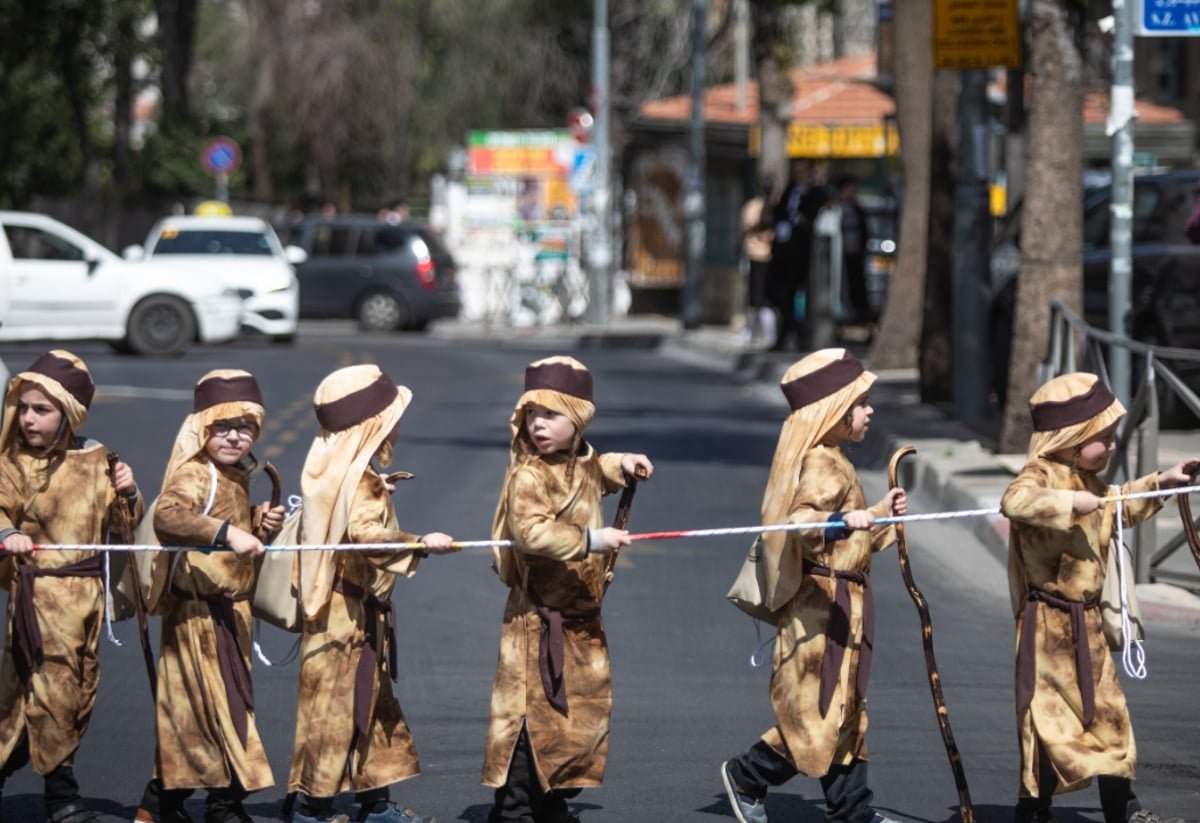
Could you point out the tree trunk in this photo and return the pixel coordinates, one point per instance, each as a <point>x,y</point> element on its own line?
<point>900,328</point>
<point>124,43</point>
<point>936,355</point>
<point>1052,215</point>
<point>177,30</point>
<point>772,64</point>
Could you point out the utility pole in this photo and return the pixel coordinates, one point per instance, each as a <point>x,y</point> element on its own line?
<point>693,199</point>
<point>1120,242</point>
<point>972,246</point>
<point>599,252</point>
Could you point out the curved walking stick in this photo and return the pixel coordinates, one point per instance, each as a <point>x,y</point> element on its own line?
<point>123,525</point>
<point>935,682</point>
<point>623,506</point>
<point>1189,526</point>
<point>276,497</point>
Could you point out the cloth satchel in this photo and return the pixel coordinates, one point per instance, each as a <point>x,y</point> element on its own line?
<point>749,590</point>
<point>119,598</point>
<point>275,599</point>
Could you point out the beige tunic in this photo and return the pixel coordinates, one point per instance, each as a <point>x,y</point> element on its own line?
<point>198,746</point>
<point>549,521</point>
<point>813,743</point>
<point>330,755</point>
<point>70,505</point>
<point>1064,554</point>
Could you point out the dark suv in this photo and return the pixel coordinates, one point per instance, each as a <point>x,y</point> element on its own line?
<point>387,276</point>
<point>1165,288</point>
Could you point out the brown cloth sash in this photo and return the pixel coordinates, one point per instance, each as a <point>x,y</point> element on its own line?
<point>235,672</point>
<point>28,654</point>
<point>364,675</point>
<point>551,648</point>
<point>837,636</point>
<point>1027,651</point>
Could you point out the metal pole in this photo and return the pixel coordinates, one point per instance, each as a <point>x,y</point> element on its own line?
<point>972,242</point>
<point>600,242</point>
<point>693,200</point>
<point>1120,128</point>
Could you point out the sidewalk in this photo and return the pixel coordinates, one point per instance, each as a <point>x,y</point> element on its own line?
<point>951,470</point>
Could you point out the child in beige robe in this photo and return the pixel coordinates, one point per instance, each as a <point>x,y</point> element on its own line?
<point>204,722</point>
<point>55,488</point>
<point>1071,715</point>
<point>818,585</point>
<point>552,694</point>
<point>350,730</point>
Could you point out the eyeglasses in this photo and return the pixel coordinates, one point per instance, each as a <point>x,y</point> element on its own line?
<point>245,431</point>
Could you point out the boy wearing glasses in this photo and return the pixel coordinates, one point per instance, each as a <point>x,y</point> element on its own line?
<point>205,702</point>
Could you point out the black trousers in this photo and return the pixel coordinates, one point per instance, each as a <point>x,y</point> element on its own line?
<point>522,798</point>
<point>847,796</point>
<point>1117,800</point>
<point>62,789</point>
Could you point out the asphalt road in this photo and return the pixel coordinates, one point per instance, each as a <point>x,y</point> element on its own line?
<point>685,698</point>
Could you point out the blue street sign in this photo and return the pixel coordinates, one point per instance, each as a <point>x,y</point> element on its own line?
<point>1168,18</point>
<point>221,156</point>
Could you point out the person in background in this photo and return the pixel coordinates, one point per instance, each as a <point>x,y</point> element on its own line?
<point>758,232</point>
<point>854,248</point>
<point>791,251</point>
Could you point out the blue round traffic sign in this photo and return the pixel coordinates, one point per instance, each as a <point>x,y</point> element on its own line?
<point>221,156</point>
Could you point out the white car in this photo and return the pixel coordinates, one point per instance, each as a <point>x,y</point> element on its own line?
<point>241,253</point>
<point>58,284</point>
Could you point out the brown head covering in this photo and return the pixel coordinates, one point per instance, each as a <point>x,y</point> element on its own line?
<point>1069,410</point>
<point>357,407</point>
<point>561,383</point>
<point>61,376</point>
<point>222,394</point>
<point>820,389</point>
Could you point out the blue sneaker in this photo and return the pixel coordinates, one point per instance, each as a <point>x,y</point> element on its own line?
<point>745,808</point>
<point>396,814</point>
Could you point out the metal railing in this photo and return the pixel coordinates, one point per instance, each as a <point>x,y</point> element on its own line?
<point>1076,346</point>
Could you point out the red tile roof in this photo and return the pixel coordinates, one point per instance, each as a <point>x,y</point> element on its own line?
<point>841,91</point>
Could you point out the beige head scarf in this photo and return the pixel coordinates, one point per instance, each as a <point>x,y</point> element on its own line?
<point>357,407</point>
<point>1069,410</point>
<point>820,389</point>
<point>222,394</point>
<point>61,376</point>
<point>560,383</point>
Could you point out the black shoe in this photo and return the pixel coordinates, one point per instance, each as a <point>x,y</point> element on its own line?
<point>73,813</point>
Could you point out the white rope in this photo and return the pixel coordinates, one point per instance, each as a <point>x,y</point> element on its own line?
<point>1133,654</point>
<point>663,535</point>
<point>1113,498</point>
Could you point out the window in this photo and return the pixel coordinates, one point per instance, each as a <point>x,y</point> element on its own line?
<point>28,243</point>
<point>212,241</point>
<point>330,241</point>
<point>366,243</point>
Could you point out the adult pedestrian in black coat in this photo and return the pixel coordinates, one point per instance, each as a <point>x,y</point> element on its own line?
<point>791,252</point>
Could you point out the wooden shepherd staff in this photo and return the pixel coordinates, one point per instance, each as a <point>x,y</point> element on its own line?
<point>276,496</point>
<point>935,682</point>
<point>1189,526</point>
<point>623,506</point>
<point>122,524</point>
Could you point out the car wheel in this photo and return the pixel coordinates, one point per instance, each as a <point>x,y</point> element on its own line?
<point>160,325</point>
<point>380,311</point>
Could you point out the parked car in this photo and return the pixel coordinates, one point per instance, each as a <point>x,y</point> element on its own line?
<point>58,284</point>
<point>387,276</point>
<point>1165,286</point>
<point>242,253</point>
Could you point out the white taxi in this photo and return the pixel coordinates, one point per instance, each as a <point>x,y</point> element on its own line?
<point>239,253</point>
